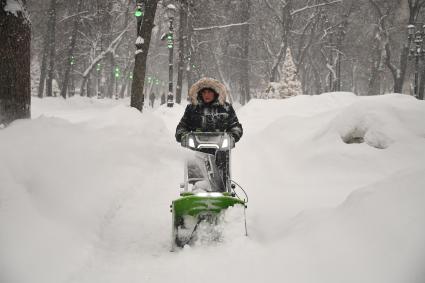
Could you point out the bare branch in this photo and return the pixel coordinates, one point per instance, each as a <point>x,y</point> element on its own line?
<point>220,27</point>
<point>314,6</point>
<point>111,49</point>
<point>71,16</point>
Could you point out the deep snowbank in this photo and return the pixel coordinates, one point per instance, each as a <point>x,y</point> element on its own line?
<point>85,189</point>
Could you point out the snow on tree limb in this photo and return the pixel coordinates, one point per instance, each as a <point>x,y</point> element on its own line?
<point>72,16</point>
<point>15,6</point>
<point>111,49</point>
<point>314,6</point>
<point>220,27</point>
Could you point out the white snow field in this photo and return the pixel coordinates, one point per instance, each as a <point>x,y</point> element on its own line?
<point>85,189</point>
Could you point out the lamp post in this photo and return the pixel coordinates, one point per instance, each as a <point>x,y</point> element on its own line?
<point>72,63</point>
<point>117,76</point>
<point>170,11</point>
<point>416,36</point>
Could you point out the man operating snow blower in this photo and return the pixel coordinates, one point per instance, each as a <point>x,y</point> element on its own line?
<point>209,111</point>
<point>210,128</point>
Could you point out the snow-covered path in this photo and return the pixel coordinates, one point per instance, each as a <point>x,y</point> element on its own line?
<point>85,190</point>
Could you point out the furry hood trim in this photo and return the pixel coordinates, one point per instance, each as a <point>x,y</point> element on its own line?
<point>213,84</point>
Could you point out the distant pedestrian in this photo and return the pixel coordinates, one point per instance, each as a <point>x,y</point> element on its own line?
<point>151,99</point>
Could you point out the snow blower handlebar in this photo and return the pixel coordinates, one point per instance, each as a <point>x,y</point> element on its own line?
<point>208,140</point>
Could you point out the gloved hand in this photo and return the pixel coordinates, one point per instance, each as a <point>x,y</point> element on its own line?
<point>179,136</point>
<point>234,136</point>
<point>183,139</point>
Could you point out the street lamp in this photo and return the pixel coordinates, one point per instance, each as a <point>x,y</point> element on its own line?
<point>117,76</point>
<point>170,12</point>
<point>416,36</point>
<point>139,13</point>
<point>72,63</point>
<point>98,69</point>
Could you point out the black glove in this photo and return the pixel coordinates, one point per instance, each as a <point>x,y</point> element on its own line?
<point>235,136</point>
<point>183,140</point>
<point>180,136</point>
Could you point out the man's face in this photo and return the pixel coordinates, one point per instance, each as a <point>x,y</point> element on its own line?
<point>207,95</point>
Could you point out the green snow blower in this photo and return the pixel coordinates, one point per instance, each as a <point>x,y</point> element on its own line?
<point>208,190</point>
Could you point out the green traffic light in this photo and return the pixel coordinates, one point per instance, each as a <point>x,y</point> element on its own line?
<point>138,13</point>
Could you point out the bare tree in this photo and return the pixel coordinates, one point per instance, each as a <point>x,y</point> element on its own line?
<point>245,39</point>
<point>181,48</point>
<point>144,31</point>
<point>383,11</point>
<point>15,89</point>
<point>71,48</point>
<point>51,46</point>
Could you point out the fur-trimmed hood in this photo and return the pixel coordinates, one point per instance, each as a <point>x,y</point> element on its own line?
<point>213,84</point>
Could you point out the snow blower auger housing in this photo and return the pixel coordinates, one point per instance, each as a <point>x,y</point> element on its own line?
<point>207,188</point>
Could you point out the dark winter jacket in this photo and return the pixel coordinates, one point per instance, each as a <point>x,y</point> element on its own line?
<point>217,116</point>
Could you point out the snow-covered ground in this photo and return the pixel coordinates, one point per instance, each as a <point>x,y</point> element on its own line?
<point>85,188</point>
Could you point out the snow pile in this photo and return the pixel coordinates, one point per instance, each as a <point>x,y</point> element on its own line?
<point>336,185</point>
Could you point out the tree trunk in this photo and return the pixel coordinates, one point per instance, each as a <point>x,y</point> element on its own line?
<point>422,82</point>
<point>52,46</point>
<point>244,74</point>
<point>44,64</point>
<point>111,80</point>
<point>286,29</point>
<point>189,46</point>
<point>124,80</point>
<point>399,76</point>
<point>181,52</point>
<point>71,51</point>
<point>144,32</point>
<point>375,78</point>
<point>15,62</point>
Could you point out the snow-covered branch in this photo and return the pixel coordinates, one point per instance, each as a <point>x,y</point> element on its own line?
<point>220,27</point>
<point>111,49</point>
<point>314,6</point>
<point>15,6</point>
<point>72,16</point>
